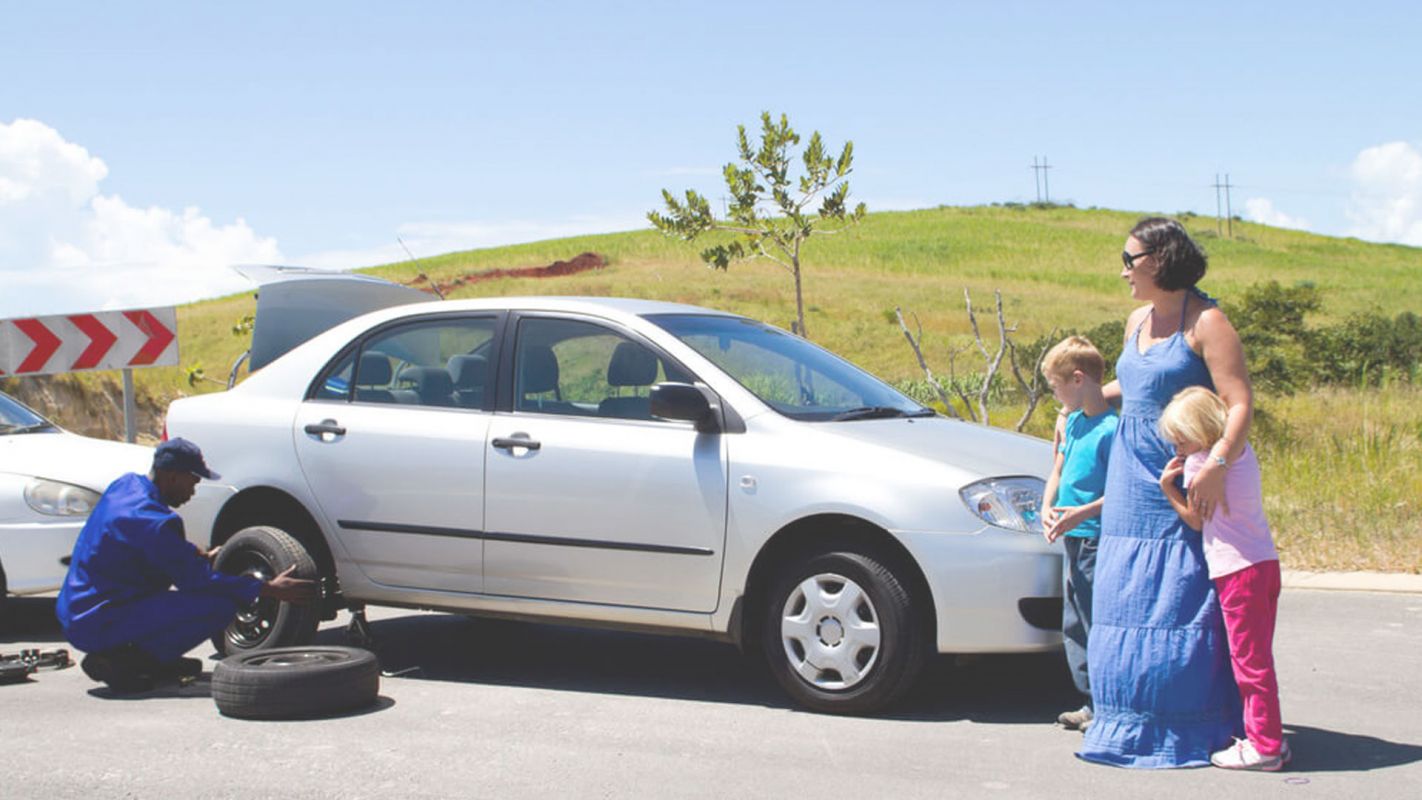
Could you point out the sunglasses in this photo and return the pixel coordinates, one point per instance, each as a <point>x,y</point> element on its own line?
<point>1130,260</point>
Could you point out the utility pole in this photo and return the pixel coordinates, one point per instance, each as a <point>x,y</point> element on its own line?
<point>1228,209</point>
<point>1219,227</point>
<point>1229,213</point>
<point>1039,175</point>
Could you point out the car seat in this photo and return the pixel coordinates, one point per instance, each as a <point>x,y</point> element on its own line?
<point>631,365</point>
<point>470,374</point>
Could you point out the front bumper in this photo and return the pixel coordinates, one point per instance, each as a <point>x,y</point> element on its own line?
<point>35,555</point>
<point>994,591</point>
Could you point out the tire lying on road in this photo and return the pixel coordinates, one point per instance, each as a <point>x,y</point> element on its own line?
<point>295,682</point>
<point>265,552</point>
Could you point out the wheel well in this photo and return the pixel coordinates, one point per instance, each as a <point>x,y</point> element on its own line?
<point>264,505</point>
<point>826,533</point>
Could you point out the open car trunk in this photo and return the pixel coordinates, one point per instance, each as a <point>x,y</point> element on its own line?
<point>295,304</point>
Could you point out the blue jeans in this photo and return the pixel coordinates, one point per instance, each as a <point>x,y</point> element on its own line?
<point>1077,573</point>
<point>164,625</point>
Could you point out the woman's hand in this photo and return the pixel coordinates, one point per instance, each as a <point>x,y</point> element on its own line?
<point>1207,490</point>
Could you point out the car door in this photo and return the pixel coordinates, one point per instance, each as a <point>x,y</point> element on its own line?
<point>392,443</point>
<point>587,496</point>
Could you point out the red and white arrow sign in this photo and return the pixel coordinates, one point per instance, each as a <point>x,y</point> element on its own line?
<point>77,342</point>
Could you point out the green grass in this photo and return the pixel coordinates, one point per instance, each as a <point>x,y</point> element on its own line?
<point>1342,464</point>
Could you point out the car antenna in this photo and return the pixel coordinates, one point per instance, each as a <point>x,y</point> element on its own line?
<point>433,284</point>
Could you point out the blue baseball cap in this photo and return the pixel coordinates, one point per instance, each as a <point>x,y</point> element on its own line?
<point>181,455</point>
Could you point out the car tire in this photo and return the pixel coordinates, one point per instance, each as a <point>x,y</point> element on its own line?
<point>265,552</point>
<point>296,682</point>
<point>841,634</point>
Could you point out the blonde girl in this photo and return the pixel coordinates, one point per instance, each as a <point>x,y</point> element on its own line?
<point>1243,564</point>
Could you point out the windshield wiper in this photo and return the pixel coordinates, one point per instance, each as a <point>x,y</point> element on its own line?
<point>879,412</point>
<point>38,426</point>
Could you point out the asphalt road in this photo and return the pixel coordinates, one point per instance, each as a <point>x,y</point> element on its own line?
<point>502,709</point>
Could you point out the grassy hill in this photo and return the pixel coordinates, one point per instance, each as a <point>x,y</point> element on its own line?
<point>1056,267</point>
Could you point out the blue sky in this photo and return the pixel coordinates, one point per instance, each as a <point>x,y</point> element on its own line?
<point>143,146</point>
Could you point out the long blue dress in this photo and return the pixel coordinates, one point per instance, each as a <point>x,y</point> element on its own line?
<point>1162,691</point>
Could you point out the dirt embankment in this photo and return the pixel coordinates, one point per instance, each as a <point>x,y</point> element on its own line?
<point>579,263</point>
<point>85,409</point>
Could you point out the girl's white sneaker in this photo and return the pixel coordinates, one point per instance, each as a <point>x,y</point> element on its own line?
<point>1242,755</point>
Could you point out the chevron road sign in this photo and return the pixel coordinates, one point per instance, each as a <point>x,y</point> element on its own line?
<point>78,342</point>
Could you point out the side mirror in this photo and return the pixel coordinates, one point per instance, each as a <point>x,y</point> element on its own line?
<point>685,402</point>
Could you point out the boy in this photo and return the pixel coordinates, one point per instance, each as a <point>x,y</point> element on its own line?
<point>1071,504</point>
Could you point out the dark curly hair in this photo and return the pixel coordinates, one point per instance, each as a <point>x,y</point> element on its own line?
<point>1179,262</point>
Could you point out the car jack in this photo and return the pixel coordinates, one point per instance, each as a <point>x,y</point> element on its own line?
<point>358,632</point>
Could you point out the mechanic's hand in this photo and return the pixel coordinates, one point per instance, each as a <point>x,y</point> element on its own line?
<point>290,590</point>
<point>211,555</point>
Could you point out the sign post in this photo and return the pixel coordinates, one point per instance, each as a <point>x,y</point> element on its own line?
<point>85,342</point>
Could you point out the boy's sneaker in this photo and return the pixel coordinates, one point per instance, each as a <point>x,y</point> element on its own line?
<point>1077,720</point>
<point>1242,755</point>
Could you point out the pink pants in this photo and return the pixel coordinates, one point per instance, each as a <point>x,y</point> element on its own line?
<point>1249,599</point>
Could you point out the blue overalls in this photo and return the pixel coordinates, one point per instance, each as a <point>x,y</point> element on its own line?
<point>131,550</point>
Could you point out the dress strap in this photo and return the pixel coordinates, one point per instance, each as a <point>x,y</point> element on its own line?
<point>1142,323</point>
<point>1185,306</point>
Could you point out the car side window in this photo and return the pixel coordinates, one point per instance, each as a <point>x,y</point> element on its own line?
<point>442,363</point>
<point>564,366</point>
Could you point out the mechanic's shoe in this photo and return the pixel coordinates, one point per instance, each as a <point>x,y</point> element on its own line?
<point>183,670</point>
<point>1242,755</point>
<point>125,669</point>
<point>1077,720</point>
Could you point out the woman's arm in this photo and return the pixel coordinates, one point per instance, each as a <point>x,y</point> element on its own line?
<point>1224,357</point>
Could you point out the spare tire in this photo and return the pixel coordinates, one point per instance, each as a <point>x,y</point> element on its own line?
<point>295,682</point>
<point>265,552</point>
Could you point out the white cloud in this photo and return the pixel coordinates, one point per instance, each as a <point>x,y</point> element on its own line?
<point>65,246</point>
<point>426,239</point>
<point>1261,209</point>
<point>1386,204</point>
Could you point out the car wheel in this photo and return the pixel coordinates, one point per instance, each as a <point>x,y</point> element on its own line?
<point>841,633</point>
<point>265,552</point>
<point>293,682</point>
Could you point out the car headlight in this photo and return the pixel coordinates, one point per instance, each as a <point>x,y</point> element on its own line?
<point>60,499</point>
<point>1012,503</point>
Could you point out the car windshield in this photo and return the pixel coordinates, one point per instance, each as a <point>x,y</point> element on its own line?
<point>16,418</point>
<point>792,376</point>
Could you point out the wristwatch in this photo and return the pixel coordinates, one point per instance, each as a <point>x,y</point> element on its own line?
<point>1220,460</point>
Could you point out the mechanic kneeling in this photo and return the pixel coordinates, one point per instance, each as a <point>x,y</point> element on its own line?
<point>116,604</point>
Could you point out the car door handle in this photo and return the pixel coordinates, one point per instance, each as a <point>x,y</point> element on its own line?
<point>510,443</point>
<point>325,426</point>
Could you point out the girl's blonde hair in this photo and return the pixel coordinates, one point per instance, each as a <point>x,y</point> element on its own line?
<point>1195,415</point>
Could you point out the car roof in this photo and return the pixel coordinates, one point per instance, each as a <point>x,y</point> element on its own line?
<point>619,305</point>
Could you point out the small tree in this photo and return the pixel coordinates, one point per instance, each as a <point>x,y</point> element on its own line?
<point>769,210</point>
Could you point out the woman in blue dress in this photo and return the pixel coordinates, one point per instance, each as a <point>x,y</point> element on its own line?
<point>1162,690</point>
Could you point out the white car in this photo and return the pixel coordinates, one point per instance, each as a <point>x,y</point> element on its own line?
<point>50,480</point>
<point>629,463</point>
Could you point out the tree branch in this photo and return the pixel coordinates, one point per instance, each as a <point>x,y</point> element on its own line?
<point>918,353</point>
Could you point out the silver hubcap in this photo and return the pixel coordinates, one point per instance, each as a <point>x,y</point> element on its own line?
<point>830,631</point>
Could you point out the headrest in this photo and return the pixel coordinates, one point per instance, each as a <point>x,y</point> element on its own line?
<point>631,365</point>
<point>374,370</point>
<point>468,372</point>
<point>539,369</point>
<point>429,381</point>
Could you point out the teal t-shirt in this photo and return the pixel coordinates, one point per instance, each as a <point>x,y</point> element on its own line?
<point>1086,446</point>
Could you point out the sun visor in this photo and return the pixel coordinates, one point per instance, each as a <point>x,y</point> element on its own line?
<point>295,304</point>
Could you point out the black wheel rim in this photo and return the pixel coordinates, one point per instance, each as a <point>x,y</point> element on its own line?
<point>297,658</point>
<point>254,623</point>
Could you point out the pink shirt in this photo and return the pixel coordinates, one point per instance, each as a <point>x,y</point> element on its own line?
<point>1240,538</point>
